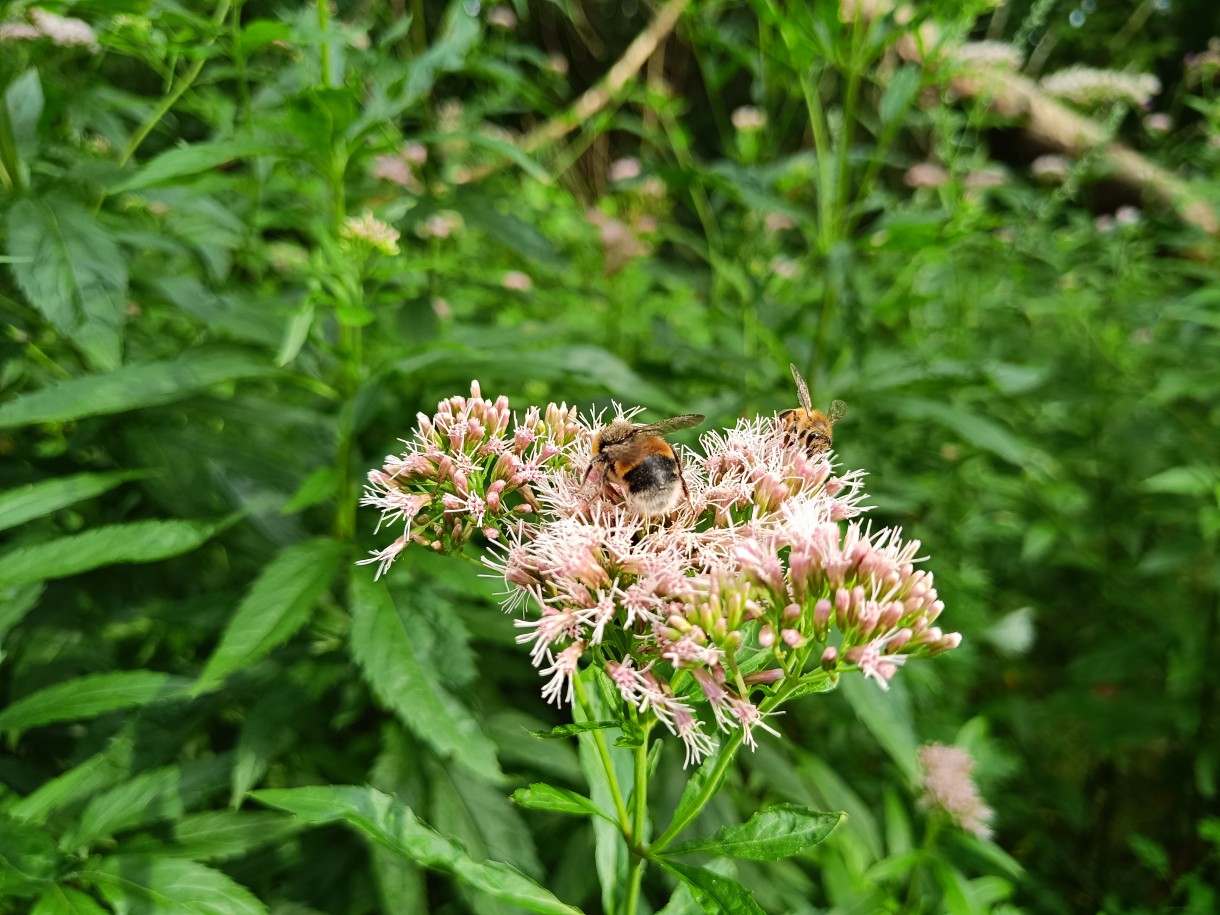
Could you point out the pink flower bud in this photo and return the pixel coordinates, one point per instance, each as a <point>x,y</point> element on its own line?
<point>830,658</point>
<point>792,612</point>
<point>764,677</point>
<point>792,638</point>
<point>766,637</point>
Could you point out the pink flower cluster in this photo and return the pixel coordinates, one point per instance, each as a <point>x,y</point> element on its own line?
<point>759,584</point>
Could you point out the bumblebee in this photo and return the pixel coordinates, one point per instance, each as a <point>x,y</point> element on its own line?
<point>642,465</point>
<point>811,428</point>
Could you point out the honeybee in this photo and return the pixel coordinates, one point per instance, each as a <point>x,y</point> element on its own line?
<point>641,464</point>
<point>812,428</point>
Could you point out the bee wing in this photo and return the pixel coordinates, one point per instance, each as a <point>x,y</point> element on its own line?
<point>674,423</point>
<point>802,389</point>
<point>837,409</point>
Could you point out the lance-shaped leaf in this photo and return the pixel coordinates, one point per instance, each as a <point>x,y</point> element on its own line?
<point>393,825</point>
<point>716,894</point>
<point>776,832</point>
<point>140,541</point>
<point>34,500</point>
<point>276,606</point>
<point>150,797</point>
<point>132,387</point>
<point>571,730</point>
<point>90,696</point>
<point>409,686</point>
<point>143,885</point>
<point>541,796</point>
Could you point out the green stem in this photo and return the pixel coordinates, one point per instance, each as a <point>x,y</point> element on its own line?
<point>639,807</point>
<point>10,161</point>
<point>599,738</point>
<point>239,64</point>
<point>858,31</point>
<point>167,103</point>
<point>822,152</point>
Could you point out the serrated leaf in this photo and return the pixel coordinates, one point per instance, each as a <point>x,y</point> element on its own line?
<point>541,796</point>
<point>71,270</point>
<point>150,797</point>
<point>185,161</point>
<point>34,500</point>
<point>275,607</point>
<point>90,696</point>
<point>64,900</point>
<point>142,885</point>
<point>140,541</point>
<point>393,825</point>
<point>29,860</point>
<point>388,659</point>
<point>771,834</point>
<point>131,387</point>
<point>718,895</point>
<point>571,730</point>
<point>83,780</point>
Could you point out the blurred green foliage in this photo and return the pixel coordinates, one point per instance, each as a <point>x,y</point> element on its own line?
<point>199,364</point>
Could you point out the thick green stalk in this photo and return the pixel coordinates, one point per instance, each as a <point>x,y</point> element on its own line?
<point>639,808</point>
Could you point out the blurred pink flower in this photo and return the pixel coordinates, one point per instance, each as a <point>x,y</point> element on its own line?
<point>748,117</point>
<point>925,174</point>
<point>517,281</point>
<point>948,786</point>
<point>624,169</point>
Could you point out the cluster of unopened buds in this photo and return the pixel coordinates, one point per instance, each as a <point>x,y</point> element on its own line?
<point>760,586</point>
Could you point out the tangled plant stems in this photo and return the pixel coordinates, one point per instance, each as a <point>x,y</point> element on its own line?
<point>759,588</point>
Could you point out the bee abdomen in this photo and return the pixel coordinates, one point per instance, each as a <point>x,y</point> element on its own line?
<point>654,485</point>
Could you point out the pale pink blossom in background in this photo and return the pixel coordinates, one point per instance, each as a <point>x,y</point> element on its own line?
<point>517,281</point>
<point>1051,168</point>
<point>925,174</point>
<point>1158,122</point>
<point>502,17</point>
<point>748,117</point>
<point>778,222</point>
<point>949,786</point>
<point>625,169</point>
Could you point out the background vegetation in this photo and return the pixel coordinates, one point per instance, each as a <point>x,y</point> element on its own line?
<point>199,363</point>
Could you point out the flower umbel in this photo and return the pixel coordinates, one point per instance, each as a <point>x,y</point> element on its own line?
<point>759,585</point>
<point>948,786</point>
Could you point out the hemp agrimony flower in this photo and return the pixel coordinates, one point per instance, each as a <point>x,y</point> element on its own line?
<point>762,585</point>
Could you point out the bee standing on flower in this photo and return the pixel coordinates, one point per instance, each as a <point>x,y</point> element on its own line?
<point>812,428</point>
<point>641,464</point>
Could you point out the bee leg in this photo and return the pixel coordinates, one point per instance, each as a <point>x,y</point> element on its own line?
<point>681,476</point>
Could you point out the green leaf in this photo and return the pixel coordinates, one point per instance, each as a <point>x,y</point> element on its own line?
<point>37,499</point>
<point>540,796</point>
<point>401,679</point>
<point>29,860</point>
<point>276,606</point>
<point>770,834</point>
<point>393,825</point>
<point>899,93</point>
<point>64,900</point>
<point>195,158</point>
<point>150,797</point>
<point>71,270</point>
<point>216,835</point>
<point>1190,480</point>
<point>819,683</point>
<point>132,387</point>
<point>140,885</point>
<point>15,602</point>
<point>25,100</point>
<point>690,802</point>
<point>83,780</point>
<point>888,717</point>
<point>974,429</point>
<point>90,696</point>
<point>571,730</point>
<point>718,895</point>
<point>140,541</point>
